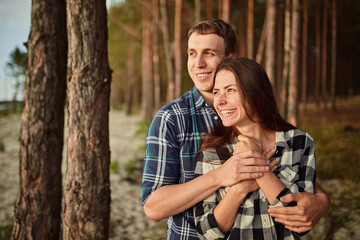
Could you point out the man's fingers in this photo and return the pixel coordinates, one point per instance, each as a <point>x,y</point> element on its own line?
<point>298,229</point>
<point>268,154</point>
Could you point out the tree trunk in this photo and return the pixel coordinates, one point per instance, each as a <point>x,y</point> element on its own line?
<point>285,74</point>
<point>304,54</point>
<point>178,49</point>
<point>130,77</point>
<point>156,58</point>
<point>197,9</point>
<point>279,48</point>
<point>324,56</point>
<point>333,56</point>
<point>226,10</point>
<point>209,8</point>
<point>242,5</point>
<point>38,206</point>
<point>270,41</point>
<point>87,194</point>
<point>317,52</point>
<point>168,51</point>
<point>147,71</point>
<point>294,66</point>
<point>250,29</point>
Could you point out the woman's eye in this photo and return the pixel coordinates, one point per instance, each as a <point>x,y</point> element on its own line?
<point>215,92</point>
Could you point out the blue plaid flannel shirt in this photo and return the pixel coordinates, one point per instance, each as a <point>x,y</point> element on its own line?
<point>172,141</point>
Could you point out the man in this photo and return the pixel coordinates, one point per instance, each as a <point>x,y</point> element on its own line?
<point>169,189</point>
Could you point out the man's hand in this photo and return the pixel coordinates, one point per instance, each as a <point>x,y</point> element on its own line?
<point>303,217</point>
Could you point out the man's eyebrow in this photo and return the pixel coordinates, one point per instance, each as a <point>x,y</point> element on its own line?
<point>203,50</point>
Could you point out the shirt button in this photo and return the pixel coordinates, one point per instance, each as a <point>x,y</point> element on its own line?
<point>216,117</point>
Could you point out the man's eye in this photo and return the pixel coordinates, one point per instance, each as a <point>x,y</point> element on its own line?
<point>191,53</point>
<point>210,53</point>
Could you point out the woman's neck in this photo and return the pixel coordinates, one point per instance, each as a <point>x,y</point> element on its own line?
<point>266,138</point>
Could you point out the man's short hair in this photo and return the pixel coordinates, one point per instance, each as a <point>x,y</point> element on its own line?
<point>218,27</point>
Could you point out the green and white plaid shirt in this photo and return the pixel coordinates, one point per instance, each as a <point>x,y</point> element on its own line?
<point>296,170</point>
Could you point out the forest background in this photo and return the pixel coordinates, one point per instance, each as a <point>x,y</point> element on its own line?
<point>309,49</point>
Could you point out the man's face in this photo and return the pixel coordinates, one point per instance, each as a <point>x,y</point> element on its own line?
<point>205,52</point>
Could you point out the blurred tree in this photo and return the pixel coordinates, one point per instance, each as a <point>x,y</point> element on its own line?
<point>270,40</point>
<point>250,29</point>
<point>16,67</point>
<point>317,52</point>
<point>177,48</point>
<point>38,206</point>
<point>156,53</point>
<point>284,93</point>
<point>324,56</point>
<point>87,194</point>
<point>333,55</point>
<point>293,117</point>
<point>304,54</point>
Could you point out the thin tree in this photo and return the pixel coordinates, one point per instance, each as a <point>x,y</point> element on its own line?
<point>17,70</point>
<point>270,40</point>
<point>156,57</point>
<point>209,8</point>
<point>285,73</point>
<point>304,54</point>
<point>293,65</point>
<point>147,101</point>
<point>169,53</point>
<point>197,9</point>
<point>87,194</point>
<point>177,48</point>
<point>250,29</point>
<point>279,47</point>
<point>317,52</point>
<point>38,206</point>
<point>324,56</point>
<point>333,55</point>
<point>226,11</point>
<point>130,68</point>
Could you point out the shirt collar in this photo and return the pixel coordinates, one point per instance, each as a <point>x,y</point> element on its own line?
<point>198,99</point>
<point>282,139</point>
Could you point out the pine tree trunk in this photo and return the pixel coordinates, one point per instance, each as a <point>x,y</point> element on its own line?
<point>156,58</point>
<point>294,66</point>
<point>87,194</point>
<point>304,55</point>
<point>130,67</point>
<point>317,52</point>
<point>226,10</point>
<point>270,41</point>
<point>168,51</point>
<point>250,29</point>
<point>324,57</point>
<point>209,8</point>
<point>197,9</point>
<point>38,206</point>
<point>177,48</point>
<point>279,48</point>
<point>285,73</point>
<point>333,56</point>
<point>147,101</point>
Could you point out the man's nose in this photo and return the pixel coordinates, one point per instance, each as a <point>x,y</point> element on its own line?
<point>200,62</point>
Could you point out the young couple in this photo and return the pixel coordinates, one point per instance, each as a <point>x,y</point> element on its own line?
<point>242,185</point>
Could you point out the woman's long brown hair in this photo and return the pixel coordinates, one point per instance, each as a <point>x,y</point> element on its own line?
<point>259,97</point>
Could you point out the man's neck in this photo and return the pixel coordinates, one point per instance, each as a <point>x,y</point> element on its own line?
<point>208,97</point>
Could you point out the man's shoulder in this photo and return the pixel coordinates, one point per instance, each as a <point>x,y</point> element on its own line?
<point>180,105</point>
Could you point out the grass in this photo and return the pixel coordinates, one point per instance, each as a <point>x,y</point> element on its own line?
<point>5,231</point>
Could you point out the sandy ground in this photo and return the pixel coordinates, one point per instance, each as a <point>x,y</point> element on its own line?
<point>127,217</point>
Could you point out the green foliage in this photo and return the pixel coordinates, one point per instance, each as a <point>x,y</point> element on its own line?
<point>2,146</point>
<point>5,231</point>
<point>16,68</point>
<point>337,151</point>
<point>114,166</point>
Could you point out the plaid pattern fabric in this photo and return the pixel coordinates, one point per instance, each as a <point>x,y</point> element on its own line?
<point>296,170</point>
<point>171,145</point>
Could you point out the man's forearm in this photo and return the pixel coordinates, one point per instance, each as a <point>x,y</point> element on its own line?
<point>173,199</point>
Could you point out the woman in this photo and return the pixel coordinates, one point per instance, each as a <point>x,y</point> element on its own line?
<point>244,99</point>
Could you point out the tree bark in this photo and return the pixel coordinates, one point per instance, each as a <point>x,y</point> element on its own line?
<point>333,56</point>
<point>87,194</point>
<point>147,101</point>
<point>279,48</point>
<point>270,41</point>
<point>38,206</point>
<point>324,56</point>
<point>304,54</point>
<point>317,52</point>
<point>294,66</point>
<point>177,48</point>
<point>250,29</point>
<point>156,58</point>
<point>226,10</point>
<point>168,51</point>
<point>285,73</point>
<point>130,67</point>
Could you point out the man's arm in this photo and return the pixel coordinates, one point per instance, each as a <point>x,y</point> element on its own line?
<point>170,200</point>
<point>303,217</point>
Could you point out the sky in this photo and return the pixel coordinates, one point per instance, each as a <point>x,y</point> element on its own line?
<point>14,31</point>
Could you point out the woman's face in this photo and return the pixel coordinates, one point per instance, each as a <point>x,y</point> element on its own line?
<point>227,100</point>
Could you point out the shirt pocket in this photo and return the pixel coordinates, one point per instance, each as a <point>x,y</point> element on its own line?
<point>290,175</point>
